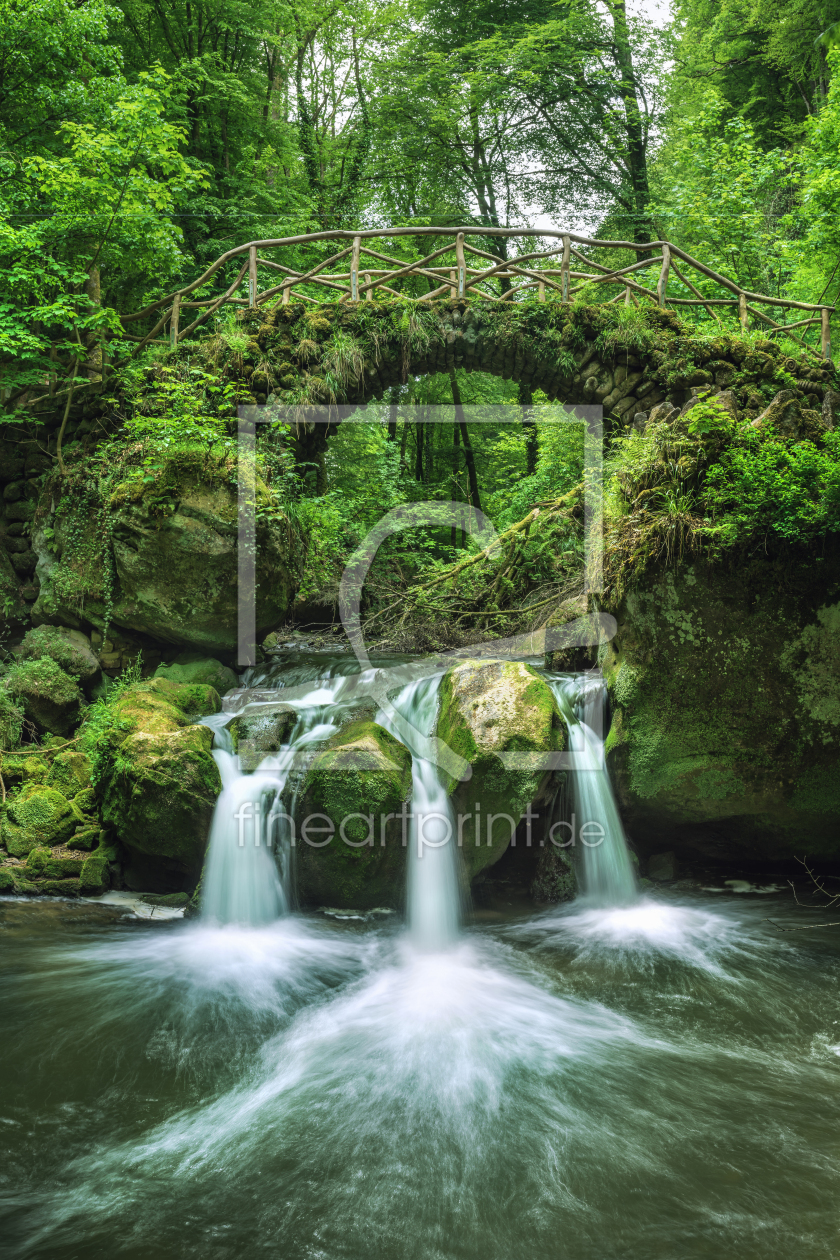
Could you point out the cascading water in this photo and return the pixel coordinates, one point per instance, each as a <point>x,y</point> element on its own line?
<point>248,878</point>
<point>241,882</point>
<point>606,867</point>
<point>433,896</point>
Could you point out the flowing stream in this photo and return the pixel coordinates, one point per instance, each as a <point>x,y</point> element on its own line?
<point>629,1075</point>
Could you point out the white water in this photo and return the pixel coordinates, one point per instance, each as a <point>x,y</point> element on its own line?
<point>433,895</point>
<point>249,875</point>
<point>606,868</point>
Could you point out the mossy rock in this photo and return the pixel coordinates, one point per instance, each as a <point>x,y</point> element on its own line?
<point>159,784</point>
<point>7,880</point>
<point>725,690</point>
<point>172,901</point>
<point>49,864</point>
<point>68,648</point>
<point>357,782</point>
<point>88,837</point>
<point>256,735</point>
<point>83,804</point>
<point>57,887</point>
<point>488,710</point>
<point>38,815</point>
<point>70,772</point>
<point>554,879</point>
<point>174,547</point>
<point>24,769</point>
<point>50,697</point>
<point>160,705</point>
<point>95,875</point>
<point>192,667</point>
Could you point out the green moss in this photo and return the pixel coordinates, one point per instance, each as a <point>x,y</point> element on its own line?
<point>50,697</point>
<point>192,667</point>
<point>7,880</point>
<point>63,646</point>
<point>57,887</point>
<point>362,777</point>
<point>491,710</point>
<point>70,772</point>
<point>729,731</point>
<point>38,815</point>
<point>94,874</point>
<point>24,769</point>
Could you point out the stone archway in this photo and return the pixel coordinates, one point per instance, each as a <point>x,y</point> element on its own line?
<point>354,353</point>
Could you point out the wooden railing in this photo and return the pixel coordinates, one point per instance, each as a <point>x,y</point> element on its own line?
<point>471,272</point>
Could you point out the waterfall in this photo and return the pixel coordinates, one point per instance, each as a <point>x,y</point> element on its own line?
<point>432,873</point>
<point>241,883</point>
<point>606,868</point>
<point>249,877</point>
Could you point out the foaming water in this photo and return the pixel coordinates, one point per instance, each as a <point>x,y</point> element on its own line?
<point>433,894</point>
<point>483,1100</point>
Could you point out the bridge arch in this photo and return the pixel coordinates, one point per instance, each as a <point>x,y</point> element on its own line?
<point>627,361</point>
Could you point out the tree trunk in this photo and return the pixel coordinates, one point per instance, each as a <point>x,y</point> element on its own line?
<point>636,147</point>
<point>529,425</point>
<point>418,452</point>
<point>465,438</point>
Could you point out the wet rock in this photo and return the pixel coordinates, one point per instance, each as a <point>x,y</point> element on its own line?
<point>662,867</point>
<point>192,667</point>
<point>501,718</point>
<point>358,786</point>
<point>554,880</point>
<point>725,691</point>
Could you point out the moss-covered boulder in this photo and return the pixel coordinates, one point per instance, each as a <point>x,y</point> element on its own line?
<point>37,817</point>
<point>173,544</point>
<point>25,767</point>
<point>256,735</point>
<point>68,648</point>
<point>725,688</point>
<point>50,697</point>
<point>70,772</point>
<point>351,853</point>
<point>159,781</point>
<point>500,717</point>
<point>54,863</point>
<point>94,876</point>
<point>192,667</point>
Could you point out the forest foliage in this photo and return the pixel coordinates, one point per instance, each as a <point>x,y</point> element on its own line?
<point>140,139</point>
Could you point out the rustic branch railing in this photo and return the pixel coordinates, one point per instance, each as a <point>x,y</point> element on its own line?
<point>463,276</point>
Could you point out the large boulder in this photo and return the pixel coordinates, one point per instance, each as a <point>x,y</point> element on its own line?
<point>167,566</point>
<point>70,649</point>
<point>725,689</point>
<point>193,667</point>
<point>358,787</point>
<point>50,697</point>
<point>37,817</point>
<point>158,781</point>
<point>502,718</point>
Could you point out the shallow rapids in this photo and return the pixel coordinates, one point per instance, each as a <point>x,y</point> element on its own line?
<point>660,1080</point>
